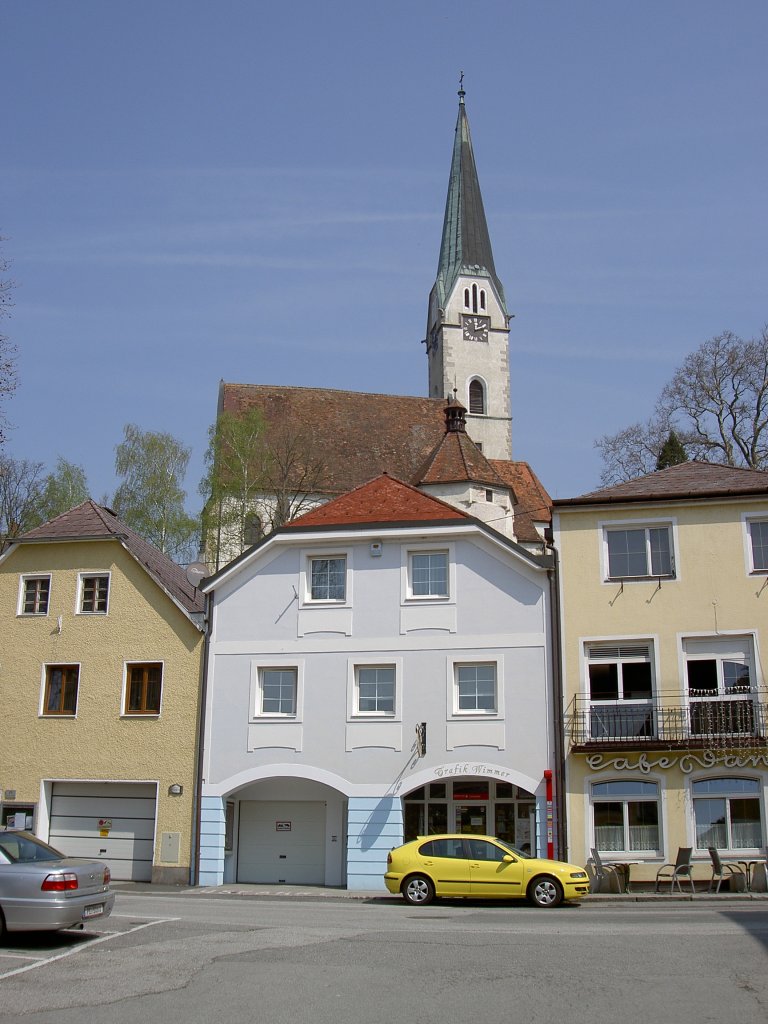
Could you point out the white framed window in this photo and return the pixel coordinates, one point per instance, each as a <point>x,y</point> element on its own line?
<point>61,684</point>
<point>277,688</point>
<point>277,691</point>
<point>719,679</point>
<point>326,579</point>
<point>626,817</point>
<point>638,551</point>
<point>143,688</point>
<point>619,677</point>
<point>34,594</point>
<point>429,573</point>
<point>375,690</point>
<point>756,542</point>
<point>727,814</point>
<point>93,593</point>
<point>475,688</point>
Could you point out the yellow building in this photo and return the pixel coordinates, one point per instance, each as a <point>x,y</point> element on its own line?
<point>664,611</point>
<point>99,684</point>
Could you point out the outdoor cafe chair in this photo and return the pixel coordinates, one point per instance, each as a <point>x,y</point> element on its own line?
<point>722,872</point>
<point>672,873</point>
<point>605,873</point>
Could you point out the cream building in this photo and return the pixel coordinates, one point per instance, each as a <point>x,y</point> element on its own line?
<point>99,682</point>
<point>664,595</point>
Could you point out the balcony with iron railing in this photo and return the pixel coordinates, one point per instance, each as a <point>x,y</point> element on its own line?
<point>702,718</point>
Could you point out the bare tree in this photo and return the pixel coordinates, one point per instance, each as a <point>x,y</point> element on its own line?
<point>717,405</point>
<point>20,497</point>
<point>259,475</point>
<point>8,379</point>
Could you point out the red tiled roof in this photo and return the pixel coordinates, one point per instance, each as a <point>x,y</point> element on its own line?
<point>356,434</point>
<point>382,500</point>
<point>532,502</point>
<point>457,458</point>
<point>90,521</point>
<point>693,480</point>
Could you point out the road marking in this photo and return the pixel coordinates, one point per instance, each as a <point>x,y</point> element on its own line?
<point>78,949</point>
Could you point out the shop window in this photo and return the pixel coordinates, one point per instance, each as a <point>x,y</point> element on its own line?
<point>625,816</point>
<point>727,814</point>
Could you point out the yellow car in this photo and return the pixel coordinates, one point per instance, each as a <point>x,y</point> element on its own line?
<point>481,867</point>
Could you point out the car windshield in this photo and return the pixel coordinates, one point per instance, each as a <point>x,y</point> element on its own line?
<point>514,850</point>
<point>23,849</point>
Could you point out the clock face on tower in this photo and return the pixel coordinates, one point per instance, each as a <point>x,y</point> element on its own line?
<point>475,328</point>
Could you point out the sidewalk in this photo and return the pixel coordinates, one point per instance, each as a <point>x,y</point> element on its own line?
<point>312,892</point>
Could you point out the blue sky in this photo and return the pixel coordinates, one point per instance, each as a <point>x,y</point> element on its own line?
<point>193,190</point>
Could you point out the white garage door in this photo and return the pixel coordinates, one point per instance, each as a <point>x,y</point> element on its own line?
<point>281,842</point>
<point>82,812</point>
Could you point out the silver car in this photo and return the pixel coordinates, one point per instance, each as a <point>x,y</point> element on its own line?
<point>42,890</point>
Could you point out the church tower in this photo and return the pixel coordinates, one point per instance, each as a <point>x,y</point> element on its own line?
<point>468,324</point>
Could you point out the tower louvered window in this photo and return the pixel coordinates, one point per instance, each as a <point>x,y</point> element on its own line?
<point>476,398</point>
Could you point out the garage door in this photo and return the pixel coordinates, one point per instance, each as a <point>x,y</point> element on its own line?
<point>281,842</point>
<point>81,814</point>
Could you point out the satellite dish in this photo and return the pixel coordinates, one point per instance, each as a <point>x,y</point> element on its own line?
<point>196,573</point>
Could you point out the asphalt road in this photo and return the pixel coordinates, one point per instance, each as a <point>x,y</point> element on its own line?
<point>193,957</point>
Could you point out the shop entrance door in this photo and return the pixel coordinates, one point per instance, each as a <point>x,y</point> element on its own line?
<point>472,818</point>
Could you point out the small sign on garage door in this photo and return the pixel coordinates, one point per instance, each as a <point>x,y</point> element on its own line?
<point>282,826</point>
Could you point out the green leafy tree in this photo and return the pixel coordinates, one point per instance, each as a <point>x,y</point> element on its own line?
<point>150,497</point>
<point>63,489</point>
<point>234,480</point>
<point>672,452</point>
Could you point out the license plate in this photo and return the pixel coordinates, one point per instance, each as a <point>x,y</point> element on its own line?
<point>94,910</point>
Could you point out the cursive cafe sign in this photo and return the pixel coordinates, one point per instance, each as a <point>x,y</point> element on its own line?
<point>685,762</point>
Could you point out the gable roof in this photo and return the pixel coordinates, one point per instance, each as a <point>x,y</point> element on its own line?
<point>688,480</point>
<point>383,500</point>
<point>89,521</point>
<point>361,434</point>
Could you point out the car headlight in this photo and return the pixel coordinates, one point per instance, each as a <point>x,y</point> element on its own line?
<point>579,874</point>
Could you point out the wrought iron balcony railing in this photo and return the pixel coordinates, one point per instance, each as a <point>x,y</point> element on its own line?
<point>706,718</point>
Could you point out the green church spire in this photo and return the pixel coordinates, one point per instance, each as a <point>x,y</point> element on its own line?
<point>466,244</point>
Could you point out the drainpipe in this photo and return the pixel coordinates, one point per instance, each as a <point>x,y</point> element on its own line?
<point>557,694</point>
<point>198,795</point>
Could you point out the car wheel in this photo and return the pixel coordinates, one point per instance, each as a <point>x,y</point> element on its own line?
<point>545,891</point>
<point>418,890</point>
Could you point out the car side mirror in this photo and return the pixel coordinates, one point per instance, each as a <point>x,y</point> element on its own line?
<point>508,859</point>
